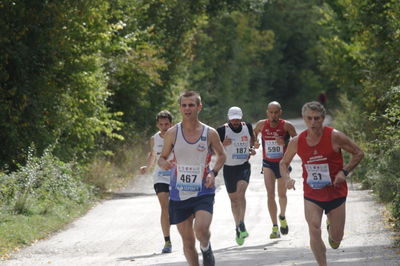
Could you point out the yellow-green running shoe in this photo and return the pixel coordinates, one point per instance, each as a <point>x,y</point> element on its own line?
<point>239,239</point>
<point>244,234</point>
<point>284,227</point>
<point>275,232</point>
<point>327,225</point>
<point>333,244</point>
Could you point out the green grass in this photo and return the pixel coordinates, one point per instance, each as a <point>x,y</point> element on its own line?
<point>20,230</point>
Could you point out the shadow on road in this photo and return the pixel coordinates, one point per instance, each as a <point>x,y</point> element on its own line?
<point>125,195</point>
<point>263,255</point>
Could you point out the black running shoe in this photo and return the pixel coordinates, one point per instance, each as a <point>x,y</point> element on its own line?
<point>284,227</point>
<point>208,257</point>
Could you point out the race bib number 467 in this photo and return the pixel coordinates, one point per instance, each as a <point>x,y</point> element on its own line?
<point>189,177</point>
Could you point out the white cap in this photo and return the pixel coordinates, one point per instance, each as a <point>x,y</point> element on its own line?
<point>235,113</point>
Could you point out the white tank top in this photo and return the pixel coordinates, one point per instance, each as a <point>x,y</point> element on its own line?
<point>192,159</point>
<point>238,152</point>
<point>160,175</point>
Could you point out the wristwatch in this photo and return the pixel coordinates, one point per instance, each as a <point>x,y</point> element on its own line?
<point>345,172</point>
<point>215,172</point>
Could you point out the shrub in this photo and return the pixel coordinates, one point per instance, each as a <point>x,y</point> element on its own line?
<point>42,183</point>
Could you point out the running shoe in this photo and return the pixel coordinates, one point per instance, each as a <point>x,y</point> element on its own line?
<point>208,257</point>
<point>327,225</point>
<point>167,247</point>
<point>239,239</point>
<point>243,231</point>
<point>275,232</point>
<point>284,227</point>
<point>333,244</point>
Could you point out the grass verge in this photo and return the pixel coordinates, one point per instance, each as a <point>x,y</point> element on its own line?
<point>20,230</point>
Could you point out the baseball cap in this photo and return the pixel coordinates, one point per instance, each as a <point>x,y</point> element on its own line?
<point>235,113</point>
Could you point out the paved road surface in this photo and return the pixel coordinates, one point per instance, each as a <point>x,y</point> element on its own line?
<point>126,231</point>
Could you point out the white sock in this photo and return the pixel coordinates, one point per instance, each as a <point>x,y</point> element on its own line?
<point>206,248</point>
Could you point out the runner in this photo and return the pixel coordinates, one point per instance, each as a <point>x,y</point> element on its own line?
<point>192,181</point>
<point>238,139</point>
<point>275,134</point>
<point>325,188</point>
<point>161,177</point>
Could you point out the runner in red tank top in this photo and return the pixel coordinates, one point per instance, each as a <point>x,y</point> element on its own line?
<point>324,176</point>
<point>275,133</point>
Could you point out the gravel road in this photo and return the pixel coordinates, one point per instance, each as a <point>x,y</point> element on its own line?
<point>125,231</point>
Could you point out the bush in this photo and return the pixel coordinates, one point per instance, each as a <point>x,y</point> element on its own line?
<point>43,183</point>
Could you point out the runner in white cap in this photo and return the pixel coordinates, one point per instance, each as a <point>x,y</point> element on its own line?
<point>238,139</point>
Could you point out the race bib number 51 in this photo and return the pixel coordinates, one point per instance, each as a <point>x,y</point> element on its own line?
<point>318,175</point>
<point>189,177</point>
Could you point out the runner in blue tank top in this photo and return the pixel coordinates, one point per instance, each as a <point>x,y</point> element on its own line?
<point>192,180</point>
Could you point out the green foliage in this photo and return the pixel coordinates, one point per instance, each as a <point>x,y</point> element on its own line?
<point>52,85</point>
<point>362,55</point>
<point>43,183</point>
<point>253,56</point>
<point>226,56</point>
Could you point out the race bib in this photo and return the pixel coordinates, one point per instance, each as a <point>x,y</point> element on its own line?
<point>189,177</point>
<point>273,150</point>
<point>240,153</point>
<point>318,175</point>
<point>164,173</point>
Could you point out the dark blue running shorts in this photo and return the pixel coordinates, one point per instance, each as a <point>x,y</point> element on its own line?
<point>179,211</point>
<point>327,206</point>
<point>161,187</point>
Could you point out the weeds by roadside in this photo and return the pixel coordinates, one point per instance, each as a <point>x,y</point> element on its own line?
<point>45,194</point>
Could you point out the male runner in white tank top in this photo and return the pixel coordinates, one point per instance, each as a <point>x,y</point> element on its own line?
<point>238,139</point>
<point>192,181</point>
<point>161,177</point>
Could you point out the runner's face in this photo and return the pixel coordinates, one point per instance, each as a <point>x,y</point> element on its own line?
<point>313,119</point>
<point>274,113</point>
<point>235,122</point>
<point>163,124</point>
<point>189,107</point>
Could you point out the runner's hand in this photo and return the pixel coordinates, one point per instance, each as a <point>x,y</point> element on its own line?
<point>210,180</point>
<point>280,141</point>
<point>339,178</point>
<point>143,169</point>
<point>167,165</point>
<point>290,183</point>
<point>227,141</point>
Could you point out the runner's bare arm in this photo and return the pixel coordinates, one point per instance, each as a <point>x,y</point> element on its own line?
<point>341,141</point>
<point>219,151</point>
<point>257,130</point>
<point>252,142</point>
<point>285,162</point>
<point>151,157</point>
<point>290,129</point>
<point>169,139</point>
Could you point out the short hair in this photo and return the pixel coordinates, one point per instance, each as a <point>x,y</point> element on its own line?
<point>164,114</point>
<point>313,106</point>
<point>188,94</point>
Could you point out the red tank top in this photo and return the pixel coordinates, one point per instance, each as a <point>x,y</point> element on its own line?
<point>271,150</point>
<point>321,161</point>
